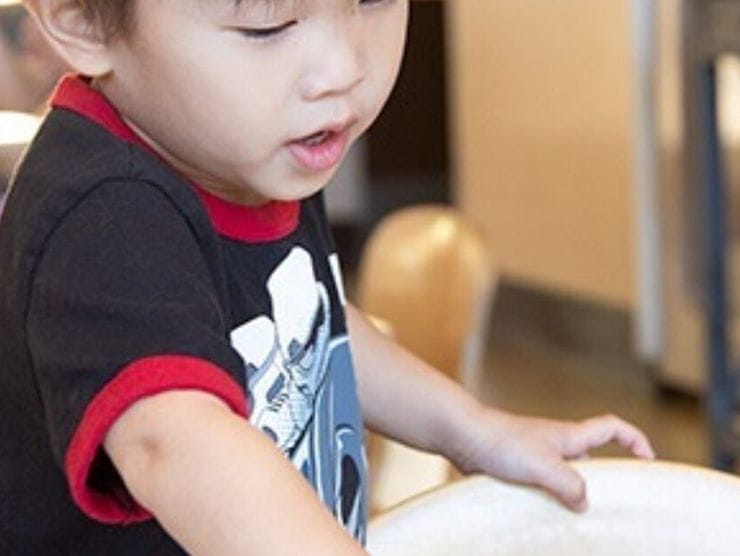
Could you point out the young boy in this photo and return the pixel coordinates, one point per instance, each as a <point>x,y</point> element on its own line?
<point>176,372</point>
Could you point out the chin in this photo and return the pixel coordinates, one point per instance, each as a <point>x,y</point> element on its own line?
<point>306,190</point>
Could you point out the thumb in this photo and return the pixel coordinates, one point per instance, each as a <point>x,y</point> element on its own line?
<point>563,482</point>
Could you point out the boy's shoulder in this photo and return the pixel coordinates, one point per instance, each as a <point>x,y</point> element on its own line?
<point>70,158</point>
<point>77,177</point>
<point>72,154</point>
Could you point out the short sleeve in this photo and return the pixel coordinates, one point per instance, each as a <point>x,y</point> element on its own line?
<point>123,306</point>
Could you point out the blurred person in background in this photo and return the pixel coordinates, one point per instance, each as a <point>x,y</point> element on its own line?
<point>29,68</point>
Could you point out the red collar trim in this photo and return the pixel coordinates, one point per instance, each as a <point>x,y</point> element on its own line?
<point>271,221</point>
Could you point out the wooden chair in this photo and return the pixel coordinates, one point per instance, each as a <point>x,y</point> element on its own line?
<point>426,272</point>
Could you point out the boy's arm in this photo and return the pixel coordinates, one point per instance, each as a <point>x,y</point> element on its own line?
<point>216,483</point>
<point>406,399</point>
<point>402,396</point>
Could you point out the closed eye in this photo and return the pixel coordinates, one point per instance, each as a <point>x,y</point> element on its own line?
<point>265,32</point>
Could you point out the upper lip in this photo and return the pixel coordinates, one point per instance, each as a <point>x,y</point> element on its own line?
<point>338,126</point>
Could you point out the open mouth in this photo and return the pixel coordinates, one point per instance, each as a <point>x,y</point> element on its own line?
<point>317,138</point>
<point>323,149</point>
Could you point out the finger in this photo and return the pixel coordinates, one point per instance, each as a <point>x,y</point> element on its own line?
<point>562,481</point>
<point>629,436</point>
<point>598,431</point>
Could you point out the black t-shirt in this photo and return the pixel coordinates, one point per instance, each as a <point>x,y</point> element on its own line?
<point>118,280</point>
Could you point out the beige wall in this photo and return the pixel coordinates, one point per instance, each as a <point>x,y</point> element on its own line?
<point>542,107</point>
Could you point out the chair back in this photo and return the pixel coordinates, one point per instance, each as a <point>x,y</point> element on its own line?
<point>428,272</point>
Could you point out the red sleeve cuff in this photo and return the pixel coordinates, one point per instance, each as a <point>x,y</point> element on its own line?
<point>138,380</point>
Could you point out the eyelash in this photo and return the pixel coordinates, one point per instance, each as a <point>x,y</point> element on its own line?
<point>268,32</point>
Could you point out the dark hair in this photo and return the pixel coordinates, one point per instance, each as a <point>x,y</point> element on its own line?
<point>114,17</point>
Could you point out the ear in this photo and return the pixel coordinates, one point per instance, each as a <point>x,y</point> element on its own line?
<point>77,40</point>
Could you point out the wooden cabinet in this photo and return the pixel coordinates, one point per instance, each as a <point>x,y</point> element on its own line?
<point>543,115</point>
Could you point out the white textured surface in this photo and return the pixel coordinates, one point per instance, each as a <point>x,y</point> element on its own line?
<point>636,508</point>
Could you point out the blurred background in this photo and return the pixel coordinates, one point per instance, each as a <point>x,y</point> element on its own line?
<point>574,135</point>
<point>561,130</point>
<point>557,128</point>
<point>28,71</point>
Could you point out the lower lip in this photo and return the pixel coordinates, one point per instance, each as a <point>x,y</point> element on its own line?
<point>323,156</point>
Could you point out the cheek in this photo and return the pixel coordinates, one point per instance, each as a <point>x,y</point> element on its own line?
<point>385,68</point>
<point>386,49</point>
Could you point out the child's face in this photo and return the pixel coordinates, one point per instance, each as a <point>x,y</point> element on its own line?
<point>259,101</point>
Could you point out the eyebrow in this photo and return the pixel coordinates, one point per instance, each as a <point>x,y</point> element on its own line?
<point>270,4</point>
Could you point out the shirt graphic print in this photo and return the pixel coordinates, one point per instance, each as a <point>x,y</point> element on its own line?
<point>300,384</point>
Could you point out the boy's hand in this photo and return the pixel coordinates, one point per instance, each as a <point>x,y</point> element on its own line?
<point>407,400</point>
<point>533,450</point>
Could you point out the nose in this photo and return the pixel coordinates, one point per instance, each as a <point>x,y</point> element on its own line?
<point>336,62</point>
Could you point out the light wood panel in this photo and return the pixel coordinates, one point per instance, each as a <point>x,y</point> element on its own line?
<point>543,113</point>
